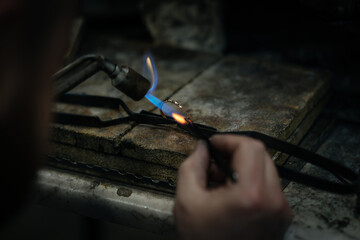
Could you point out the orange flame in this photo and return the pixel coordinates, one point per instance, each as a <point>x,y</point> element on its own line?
<point>150,66</point>
<point>180,119</point>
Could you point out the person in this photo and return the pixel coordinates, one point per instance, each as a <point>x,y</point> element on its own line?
<point>252,208</point>
<point>33,43</point>
<point>34,39</point>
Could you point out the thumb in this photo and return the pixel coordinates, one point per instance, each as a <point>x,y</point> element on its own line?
<point>192,173</point>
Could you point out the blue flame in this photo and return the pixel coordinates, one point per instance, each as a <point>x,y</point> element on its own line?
<point>150,72</point>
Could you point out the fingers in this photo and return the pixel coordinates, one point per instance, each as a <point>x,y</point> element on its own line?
<point>255,201</point>
<point>227,143</point>
<point>247,157</point>
<point>271,176</point>
<point>215,174</point>
<point>248,162</point>
<point>192,174</point>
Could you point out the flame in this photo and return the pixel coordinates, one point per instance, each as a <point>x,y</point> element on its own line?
<point>148,63</point>
<point>150,72</point>
<point>179,118</point>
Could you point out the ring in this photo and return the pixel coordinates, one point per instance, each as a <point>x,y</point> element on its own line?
<point>173,102</point>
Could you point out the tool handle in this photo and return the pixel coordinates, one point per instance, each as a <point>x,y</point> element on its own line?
<point>81,69</point>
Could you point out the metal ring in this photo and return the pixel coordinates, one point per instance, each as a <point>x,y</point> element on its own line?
<point>173,102</point>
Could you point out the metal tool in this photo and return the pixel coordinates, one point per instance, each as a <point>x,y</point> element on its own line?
<point>349,179</point>
<point>123,78</point>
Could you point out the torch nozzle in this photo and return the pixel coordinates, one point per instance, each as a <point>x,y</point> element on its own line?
<point>130,82</point>
<point>123,78</point>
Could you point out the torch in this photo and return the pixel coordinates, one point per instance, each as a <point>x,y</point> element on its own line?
<point>122,77</point>
<point>150,72</point>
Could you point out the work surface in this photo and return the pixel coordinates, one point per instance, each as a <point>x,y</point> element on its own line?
<point>317,214</point>
<point>228,93</point>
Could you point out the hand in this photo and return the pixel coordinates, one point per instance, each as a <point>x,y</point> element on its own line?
<point>252,208</point>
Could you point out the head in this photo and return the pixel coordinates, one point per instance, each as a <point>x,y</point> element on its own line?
<point>34,40</point>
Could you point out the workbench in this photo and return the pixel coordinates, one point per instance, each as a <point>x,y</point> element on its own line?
<point>126,173</point>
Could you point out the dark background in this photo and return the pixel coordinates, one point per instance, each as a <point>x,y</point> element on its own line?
<point>323,34</point>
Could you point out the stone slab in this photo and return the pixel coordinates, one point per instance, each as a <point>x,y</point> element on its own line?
<point>236,94</point>
<point>90,159</point>
<point>162,166</point>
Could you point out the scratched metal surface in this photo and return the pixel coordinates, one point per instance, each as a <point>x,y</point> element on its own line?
<point>105,200</point>
<point>316,210</point>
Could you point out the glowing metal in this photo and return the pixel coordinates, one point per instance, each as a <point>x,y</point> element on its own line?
<point>173,102</point>
<point>179,118</point>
